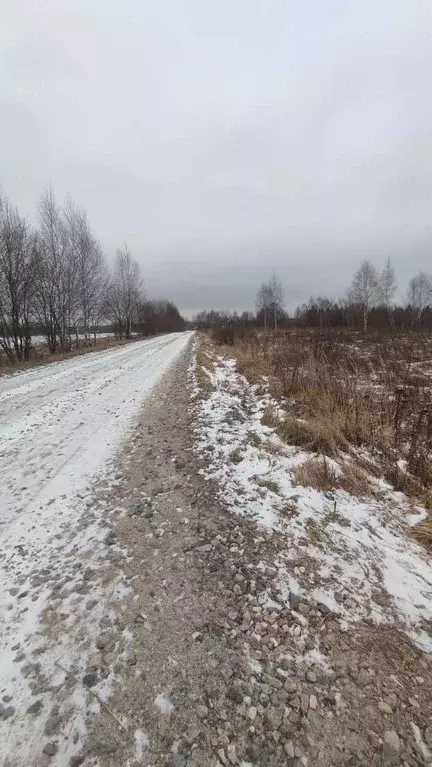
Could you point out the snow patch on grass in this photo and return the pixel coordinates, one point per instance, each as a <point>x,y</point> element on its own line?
<point>365,565</point>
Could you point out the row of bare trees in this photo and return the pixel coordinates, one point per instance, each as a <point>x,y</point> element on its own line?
<point>369,298</point>
<point>373,293</point>
<point>55,277</point>
<point>370,289</point>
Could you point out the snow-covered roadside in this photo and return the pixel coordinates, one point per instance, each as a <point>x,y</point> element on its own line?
<point>61,426</point>
<point>362,564</point>
<point>41,340</point>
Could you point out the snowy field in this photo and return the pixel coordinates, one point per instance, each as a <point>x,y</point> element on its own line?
<point>40,340</point>
<point>59,427</point>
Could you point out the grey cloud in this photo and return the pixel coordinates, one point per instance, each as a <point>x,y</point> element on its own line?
<point>226,140</point>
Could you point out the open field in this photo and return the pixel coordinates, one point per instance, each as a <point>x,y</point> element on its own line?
<point>368,396</point>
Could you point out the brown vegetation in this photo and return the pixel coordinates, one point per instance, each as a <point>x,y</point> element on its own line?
<point>423,532</point>
<point>319,473</point>
<point>343,391</point>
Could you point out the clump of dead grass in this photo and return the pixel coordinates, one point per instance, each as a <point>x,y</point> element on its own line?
<point>317,472</point>
<point>236,455</point>
<point>354,480</point>
<point>316,434</point>
<point>423,532</point>
<point>269,484</point>
<point>205,362</point>
<point>270,418</point>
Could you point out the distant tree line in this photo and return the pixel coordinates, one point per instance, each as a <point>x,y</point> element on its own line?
<point>55,280</point>
<point>160,316</point>
<point>369,303</point>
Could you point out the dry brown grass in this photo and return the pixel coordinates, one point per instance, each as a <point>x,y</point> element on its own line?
<point>412,486</point>
<point>354,480</point>
<point>316,434</point>
<point>342,392</point>
<point>269,484</point>
<point>318,473</point>
<point>270,418</point>
<point>236,455</point>
<point>205,359</point>
<point>423,532</point>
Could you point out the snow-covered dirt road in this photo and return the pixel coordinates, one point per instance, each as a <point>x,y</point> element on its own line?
<point>161,608</point>
<point>59,427</point>
<point>59,423</point>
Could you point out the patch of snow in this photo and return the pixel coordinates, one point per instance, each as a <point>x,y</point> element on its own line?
<point>419,516</point>
<point>255,666</point>
<point>269,604</point>
<point>141,744</point>
<point>39,340</point>
<point>326,598</point>
<point>163,704</point>
<point>128,637</point>
<point>314,657</point>
<point>421,745</point>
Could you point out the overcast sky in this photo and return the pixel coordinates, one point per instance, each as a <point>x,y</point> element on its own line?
<point>226,139</point>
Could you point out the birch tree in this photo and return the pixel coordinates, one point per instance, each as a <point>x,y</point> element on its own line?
<point>53,284</point>
<point>420,294</point>
<point>125,292</point>
<point>276,298</point>
<point>387,288</point>
<point>269,300</point>
<point>364,290</point>
<point>263,302</point>
<point>91,274</point>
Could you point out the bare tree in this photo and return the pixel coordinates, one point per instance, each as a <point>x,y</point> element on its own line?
<point>90,270</point>
<point>269,300</point>
<point>364,290</point>
<point>419,294</point>
<point>276,298</point>
<point>125,292</point>
<point>263,302</point>
<point>323,305</point>
<point>387,288</point>
<point>17,272</point>
<point>55,274</point>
